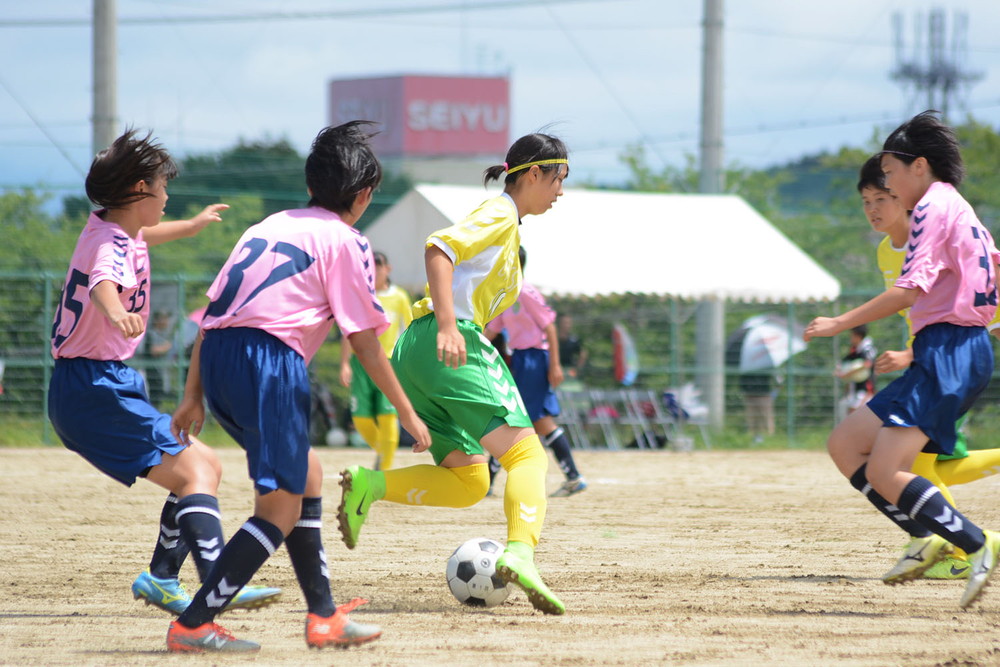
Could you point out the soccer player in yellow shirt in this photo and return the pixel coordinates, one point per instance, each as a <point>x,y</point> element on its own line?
<point>458,382</point>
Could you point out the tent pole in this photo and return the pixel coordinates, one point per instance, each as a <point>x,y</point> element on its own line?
<point>710,359</point>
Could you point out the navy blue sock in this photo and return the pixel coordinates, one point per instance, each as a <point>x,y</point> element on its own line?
<point>240,559</point>
<point>559,444</point>
<point>860,482</point>
<point>171,549</point>
<point>305,548</point>
<point>200,522</point>
<point>923,501</point>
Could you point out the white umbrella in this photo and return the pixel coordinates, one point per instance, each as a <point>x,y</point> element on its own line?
<point>762,342</point>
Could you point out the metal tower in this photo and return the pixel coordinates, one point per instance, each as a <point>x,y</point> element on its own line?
<point>935,74</point>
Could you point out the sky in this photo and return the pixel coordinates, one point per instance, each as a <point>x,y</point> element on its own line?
<point>799,77</point>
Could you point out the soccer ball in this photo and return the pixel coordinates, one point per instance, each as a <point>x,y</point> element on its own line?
<point>472,576</point>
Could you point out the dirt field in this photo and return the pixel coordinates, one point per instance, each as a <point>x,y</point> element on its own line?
<point>710,558</point>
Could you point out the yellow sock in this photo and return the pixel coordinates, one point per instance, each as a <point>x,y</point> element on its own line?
<point>977,465</point>
<point>368,430</point>
<point>927,466</point>
<point>524,499</point>
<point>387,439</point>
<point>436,486</point>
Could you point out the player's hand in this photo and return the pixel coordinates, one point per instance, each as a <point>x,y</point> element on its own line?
<point>451,348</point>
<point>209,214</point>
<point>822,327</point>
<point>555,376</point>
<point>346,374</point>
<point>187,420</point>
<point>130,324</point>
<point>894,360</point>
<point>415,426</point>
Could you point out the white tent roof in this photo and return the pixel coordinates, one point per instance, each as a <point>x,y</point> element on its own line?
<point>595,242</point>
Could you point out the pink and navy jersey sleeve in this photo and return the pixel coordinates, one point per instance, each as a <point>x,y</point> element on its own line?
<point>104,252</point>
<point>292,275</point>
<point>950,258</point>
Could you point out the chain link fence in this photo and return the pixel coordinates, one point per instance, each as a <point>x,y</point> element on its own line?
<point>804,390</point>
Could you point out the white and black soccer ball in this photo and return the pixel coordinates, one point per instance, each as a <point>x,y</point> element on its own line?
<point>472,575</point>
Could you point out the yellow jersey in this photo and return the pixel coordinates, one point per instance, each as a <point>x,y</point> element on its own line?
<point>396,303</point>
<point>890,262</point>
<point>483,248</point>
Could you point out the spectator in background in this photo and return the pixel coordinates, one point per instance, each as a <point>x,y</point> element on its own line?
<point>758,400</point>
<point>857,368</point>
<point>159,348</point>
<point>572,354</point>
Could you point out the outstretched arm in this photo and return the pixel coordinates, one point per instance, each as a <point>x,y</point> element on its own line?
<point>179,229</point>
<point>885,304</point>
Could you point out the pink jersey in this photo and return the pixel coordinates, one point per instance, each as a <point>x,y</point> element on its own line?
<point>291,275</point>
<point>950,259</point>
<point>103,252</point>
<point>526,320</point>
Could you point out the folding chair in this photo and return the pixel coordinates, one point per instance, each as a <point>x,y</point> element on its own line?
<point>573,415</point>
<point>637,416</point>
<point>605,414</point>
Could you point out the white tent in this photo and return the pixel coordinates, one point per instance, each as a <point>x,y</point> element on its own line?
<point>594,243</point>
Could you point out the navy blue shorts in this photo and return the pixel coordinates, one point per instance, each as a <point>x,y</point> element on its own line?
<point>258,389</point>
<point>951,367</point>
<point>530,369</point>
<point>100,410</point>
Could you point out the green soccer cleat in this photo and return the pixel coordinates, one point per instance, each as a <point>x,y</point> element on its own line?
<point>983,563</point>
<point>919,556</point>
<point>949,568</point>
<point>360,491</point>
<point>516,566</point>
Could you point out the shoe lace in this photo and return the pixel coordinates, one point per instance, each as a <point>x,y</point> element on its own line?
<point>222,632</point>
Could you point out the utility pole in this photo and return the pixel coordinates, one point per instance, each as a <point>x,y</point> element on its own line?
<point>104,120</point>
<point>710,316</point>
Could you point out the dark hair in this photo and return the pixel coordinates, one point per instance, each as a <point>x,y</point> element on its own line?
<point>871,175</point>
<point>340,165</point>
<point>529,148</point>
<point>522,257</point>
<point>861,330</point>
<point>380,257</point>
<point>115,170</point>
<point>926,136</point>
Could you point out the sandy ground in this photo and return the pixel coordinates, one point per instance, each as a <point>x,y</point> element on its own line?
<point>707,558</point>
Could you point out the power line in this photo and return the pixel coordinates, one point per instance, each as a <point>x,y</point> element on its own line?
<point>401,10</point>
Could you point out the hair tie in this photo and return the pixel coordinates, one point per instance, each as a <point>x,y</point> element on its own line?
<point>505,166</point>
<point>539,162</point>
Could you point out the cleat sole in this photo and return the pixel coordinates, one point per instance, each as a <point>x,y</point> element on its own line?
<point>537,600</point>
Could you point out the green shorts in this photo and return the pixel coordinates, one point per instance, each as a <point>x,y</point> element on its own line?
<point>367,400</point>
<point>459,405</point>
<point>961,450</point>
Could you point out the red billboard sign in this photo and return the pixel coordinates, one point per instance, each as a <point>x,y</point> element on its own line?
<point>428,115</point>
